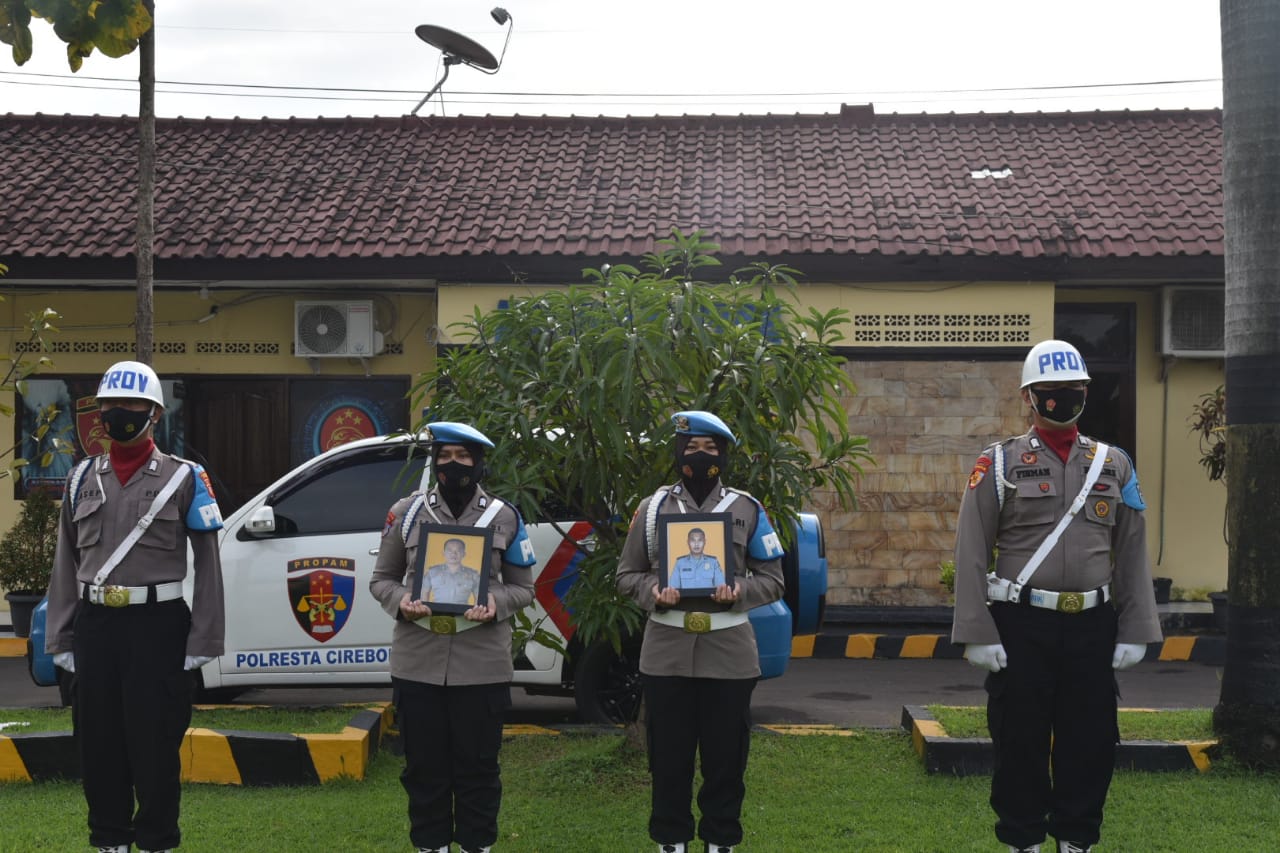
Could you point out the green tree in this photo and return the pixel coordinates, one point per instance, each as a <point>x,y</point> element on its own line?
<point>1247,718</point>
<point>116,28</point>
<point>578,386</point>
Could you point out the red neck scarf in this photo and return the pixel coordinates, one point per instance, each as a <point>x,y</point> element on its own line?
<point>127,459</point>
<point>1059,440</point>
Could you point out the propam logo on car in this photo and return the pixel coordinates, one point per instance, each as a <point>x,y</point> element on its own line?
<point>321,591</point>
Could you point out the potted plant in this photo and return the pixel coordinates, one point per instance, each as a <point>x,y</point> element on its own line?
<point>26,558</point>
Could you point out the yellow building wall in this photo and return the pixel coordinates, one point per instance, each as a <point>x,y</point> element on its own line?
<point>938,314</point>
<point>1185,510</point>
<point>459,302</point>
<point>250,332</point>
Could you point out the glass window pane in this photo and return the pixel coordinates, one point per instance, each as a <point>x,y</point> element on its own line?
<point>350,493</point>
<point>1100,332</point>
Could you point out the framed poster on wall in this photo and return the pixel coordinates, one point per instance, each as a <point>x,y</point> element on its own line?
<point>76,421</point>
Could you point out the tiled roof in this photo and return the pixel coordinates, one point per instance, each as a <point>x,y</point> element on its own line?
<point>1079,185</point>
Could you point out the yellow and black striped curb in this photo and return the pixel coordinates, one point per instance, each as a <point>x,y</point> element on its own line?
<point>1209,650</point>
<point>222,757</point>
<point>958,756</point>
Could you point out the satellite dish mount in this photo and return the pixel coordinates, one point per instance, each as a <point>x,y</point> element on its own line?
<point>461,50</point>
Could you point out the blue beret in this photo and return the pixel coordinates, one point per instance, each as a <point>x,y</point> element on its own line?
<point>701,423</point>
<point>451,432</point>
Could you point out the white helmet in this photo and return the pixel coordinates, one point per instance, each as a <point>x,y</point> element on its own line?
<point>131,380</point>
<point>1053,361</point>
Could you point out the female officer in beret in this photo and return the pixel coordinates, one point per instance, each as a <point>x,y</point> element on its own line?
<point>698,658</point>
<point>452,675</point>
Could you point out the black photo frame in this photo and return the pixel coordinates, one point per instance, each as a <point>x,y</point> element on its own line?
<point>680,564</point>
<point>440,590</point>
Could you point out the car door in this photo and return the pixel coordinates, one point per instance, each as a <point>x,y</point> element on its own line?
<point>298,607</point>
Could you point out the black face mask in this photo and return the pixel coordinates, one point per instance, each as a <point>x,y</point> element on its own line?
<point>1059,405</point>
<point>699,471</point>
<point>456,478</point>
<point>124,424</point>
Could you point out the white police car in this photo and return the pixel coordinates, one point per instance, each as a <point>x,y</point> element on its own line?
<point>318,528</point>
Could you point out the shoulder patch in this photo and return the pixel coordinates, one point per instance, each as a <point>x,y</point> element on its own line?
<point>980,469</point>
<point>203,514</point>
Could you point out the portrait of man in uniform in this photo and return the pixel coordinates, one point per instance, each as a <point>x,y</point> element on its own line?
<point>692,553</point>
<point>446,574</point>
<point>697,568</point>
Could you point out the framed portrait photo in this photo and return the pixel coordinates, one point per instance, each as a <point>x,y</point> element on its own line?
<point>695,552</point>
<point>449,569</point>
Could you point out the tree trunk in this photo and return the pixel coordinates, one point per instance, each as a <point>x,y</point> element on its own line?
<point>144,318</point>
<point>1247,718</point>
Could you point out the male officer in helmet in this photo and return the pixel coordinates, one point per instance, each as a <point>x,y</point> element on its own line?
<point>698,658</point>
<point>1068,602</point>
<point>117,618</point>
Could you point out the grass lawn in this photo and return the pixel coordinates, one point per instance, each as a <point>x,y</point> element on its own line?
<point>587,793</point>
<point>328,719</point>
<point>1193,724</point>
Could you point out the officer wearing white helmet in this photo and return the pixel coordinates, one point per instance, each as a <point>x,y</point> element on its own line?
<point>1053,594</point>
<point>117,618</point>
<point>451,674</point>
<point>698,658</point>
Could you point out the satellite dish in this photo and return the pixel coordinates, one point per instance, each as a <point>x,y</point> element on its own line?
<point>457,45</point>
<point>461,50</point>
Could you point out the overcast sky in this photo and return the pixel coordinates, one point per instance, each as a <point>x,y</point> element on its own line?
<point>647,57</point>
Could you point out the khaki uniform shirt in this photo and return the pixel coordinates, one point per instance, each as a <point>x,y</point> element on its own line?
<point>1105,543</point>
<point>724,653</point>
<point>479,655</point>
<point>99,518</point>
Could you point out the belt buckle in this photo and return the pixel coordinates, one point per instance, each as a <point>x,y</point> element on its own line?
<point>444,625</point>
<point>1071,602</point>
<point>115,596</point>
<point>697,622</point>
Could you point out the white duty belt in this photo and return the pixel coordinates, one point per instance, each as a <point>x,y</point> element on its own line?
<point>1002,589</point>
<point>120,596</point>
<point>698,622</point>
<point>98,591</point>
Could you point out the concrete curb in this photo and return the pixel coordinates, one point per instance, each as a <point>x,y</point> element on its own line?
<point>1209,650</point>
<point>222,757</point>
<point>973,756</point>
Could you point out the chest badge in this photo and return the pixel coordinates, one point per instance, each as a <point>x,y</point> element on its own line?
<point>1028,459</point>
<point>1102,508</point>
<point>1044,487</point>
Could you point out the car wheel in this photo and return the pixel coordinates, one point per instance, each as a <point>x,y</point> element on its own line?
<point>607,684</point>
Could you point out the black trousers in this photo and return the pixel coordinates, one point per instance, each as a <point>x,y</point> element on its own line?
<point>131,708</point>
<point>451,738</point>
<point>707,716</point>
<point>1052,717</point>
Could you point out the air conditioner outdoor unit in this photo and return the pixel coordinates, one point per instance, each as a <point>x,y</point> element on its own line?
<point>1194,322</point>
<point>328,329</point>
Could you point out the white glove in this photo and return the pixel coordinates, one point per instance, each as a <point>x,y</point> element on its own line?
<point>65,660</point>
<point>1128,654</point>
<point>196,661</point>
<point>991,657</point>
